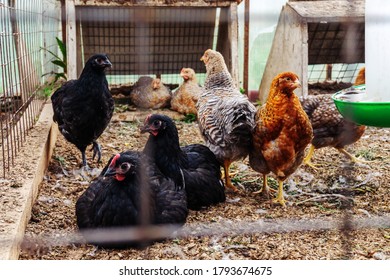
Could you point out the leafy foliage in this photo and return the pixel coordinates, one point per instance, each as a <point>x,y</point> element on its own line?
<point>61,62</point>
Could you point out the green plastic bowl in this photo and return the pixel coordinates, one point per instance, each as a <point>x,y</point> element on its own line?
<point>365,113</point>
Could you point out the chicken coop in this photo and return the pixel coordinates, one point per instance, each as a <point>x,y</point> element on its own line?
<point>312,37</point>
<point>154,38</point>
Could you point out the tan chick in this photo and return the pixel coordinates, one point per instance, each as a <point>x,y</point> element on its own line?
<point>184,99</point>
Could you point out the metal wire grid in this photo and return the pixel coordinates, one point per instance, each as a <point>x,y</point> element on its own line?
<point>339,44</point>
<point>26,28</point>
<point>148,41</point>
<point>341,72</point>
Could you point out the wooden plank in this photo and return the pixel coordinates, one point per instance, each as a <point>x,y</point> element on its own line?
<point>71,39</point>
<point>289,52</point>
<point>41,141</point>
<point>157,3</point>
<point>330,11</point>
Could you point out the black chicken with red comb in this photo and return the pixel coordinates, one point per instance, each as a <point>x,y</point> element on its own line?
<point>131,191</point>
<point>193,167</point>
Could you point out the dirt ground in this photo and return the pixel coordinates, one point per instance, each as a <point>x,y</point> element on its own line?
<point>311,194</point>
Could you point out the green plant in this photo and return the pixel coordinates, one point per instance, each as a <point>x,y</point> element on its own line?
<point>61,62</point>
<point>189,118</point>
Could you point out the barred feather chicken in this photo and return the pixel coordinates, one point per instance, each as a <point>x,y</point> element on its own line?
<point>83,108</point>
<point>282,133</point>
<point>329,126</point>
<point>150,93</point>
<point>184,99</point>
<point>225,116</point>
<point>131,191</point>
<point>193,167</point>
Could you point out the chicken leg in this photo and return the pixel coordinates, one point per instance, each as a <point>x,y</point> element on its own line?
<point>228,182</point>
<point>351,157</point>
<point>307,159</point>
<point>280,197</point>
<point>83,158</point>
<point>265,190</point>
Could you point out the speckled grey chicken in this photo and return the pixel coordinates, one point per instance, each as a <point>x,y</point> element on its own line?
<point>130,191</point>
<point>225,116</point>
<point>83,108</point>
<point>150,93</point>
<point>184,99</point>
<point>329,126</point>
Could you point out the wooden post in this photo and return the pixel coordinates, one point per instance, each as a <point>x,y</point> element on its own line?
<point>246,48</point>
<point>71,44</point>
<point>233,39</point>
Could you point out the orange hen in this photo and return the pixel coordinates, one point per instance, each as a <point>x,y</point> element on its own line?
<point>281,134</point>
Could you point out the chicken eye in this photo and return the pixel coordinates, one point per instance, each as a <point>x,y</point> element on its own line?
<point>99,60</point>
<point>157,123</point>
<point>288,79</point>
<point>125,166</point>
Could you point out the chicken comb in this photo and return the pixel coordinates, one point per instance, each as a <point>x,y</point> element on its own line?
<point>148,118</point>
<point>113,161</point>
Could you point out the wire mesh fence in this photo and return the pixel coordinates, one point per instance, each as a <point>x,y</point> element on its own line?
<point>27,30</point>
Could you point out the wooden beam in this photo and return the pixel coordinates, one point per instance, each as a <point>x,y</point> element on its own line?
<point>289,52</point>
<point>71,42</point>
<point>233,39</point>
<point>246,47</point>
<point>157,3</point>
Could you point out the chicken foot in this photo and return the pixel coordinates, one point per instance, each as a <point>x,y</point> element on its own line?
<point>265,190</point>
<point>352,157</point>
<point>97,150</point>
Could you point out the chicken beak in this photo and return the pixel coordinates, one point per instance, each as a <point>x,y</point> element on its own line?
<point>110,172</point>
<point>297,84</point>
<point>107,64</point>
<point>145,128</point>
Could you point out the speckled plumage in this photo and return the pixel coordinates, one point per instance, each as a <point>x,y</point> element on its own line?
<point>225,116</point>
<point>330,128</point>
<point>150,93</point>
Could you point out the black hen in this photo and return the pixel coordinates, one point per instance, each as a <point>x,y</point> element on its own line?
<point>131,192</point>
<point>194,166</point>
<point>84,107</point>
